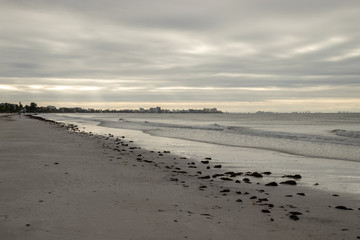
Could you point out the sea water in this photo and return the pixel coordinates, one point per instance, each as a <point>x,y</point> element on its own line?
<point>323,148</point>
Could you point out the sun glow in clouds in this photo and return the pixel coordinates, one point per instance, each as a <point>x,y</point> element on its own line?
<point>216,89</point>
<point>315,47</point>
<point>248,75</point>
<point>352,54</point>
<point>200,49</point>
<point>6,87</point>
<point>36,87</point>
<point>61,88</point>
<point>88,88</point>
<point>64,88</point>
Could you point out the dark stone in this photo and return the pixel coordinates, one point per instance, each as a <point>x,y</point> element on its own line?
<point>208,158</point>
<point>246,180</point>
<point>239,200</point>
<point>295,213</point>
<point>294,217</point>
<point>183,172</point>
<point>265,211</point>
<point>202,187</point>
<point>205,162</point>
<point>301,194</point>
<point>208,167</point>
<point>289,182</point>
<point>288,195</point>
<point>266,173</point>
<point>296,176</point>
<point>238,192</point>
<point>205,177</point>
<point>263,200</point>
<point>225,190</point>
<point>237,181</point>
<point>234,174</point>
<point>256,174</point>
<point>206,214</point>
<point>226,179</point>
<point>274,184</point>
<point>217,166</point>
<point>253,197</point>
<point>217,175</point>
<point>343,208</point>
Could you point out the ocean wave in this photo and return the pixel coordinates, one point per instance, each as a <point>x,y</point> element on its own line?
<point>299,136</point>
<point>306,149</point>
<point>127,123</point>
<point>345,133</point>
<point>353,137</point>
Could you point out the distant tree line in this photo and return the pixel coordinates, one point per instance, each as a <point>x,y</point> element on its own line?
<point>33,108</point>
<point>15,108</point>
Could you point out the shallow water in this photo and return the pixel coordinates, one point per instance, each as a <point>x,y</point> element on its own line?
<point>323,148</point>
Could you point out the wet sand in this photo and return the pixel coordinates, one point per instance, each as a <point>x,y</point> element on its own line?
<point>59,183</point>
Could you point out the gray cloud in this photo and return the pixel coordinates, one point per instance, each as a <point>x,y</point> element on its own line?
<point>200,51</point>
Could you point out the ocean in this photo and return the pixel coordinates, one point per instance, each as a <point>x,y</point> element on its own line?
<point>323,148</point>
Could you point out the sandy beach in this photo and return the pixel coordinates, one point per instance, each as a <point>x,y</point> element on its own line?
<point>59,183</point>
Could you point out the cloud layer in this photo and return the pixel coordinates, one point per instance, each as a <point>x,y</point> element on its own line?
<point>235,52</point>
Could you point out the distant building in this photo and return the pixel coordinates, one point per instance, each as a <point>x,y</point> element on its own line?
<point>51,108</point>
<point>155,110</point>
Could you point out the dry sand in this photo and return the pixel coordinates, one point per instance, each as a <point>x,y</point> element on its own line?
<point>59,183</point>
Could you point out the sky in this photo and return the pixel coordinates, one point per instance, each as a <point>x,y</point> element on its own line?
<point>236,55</point>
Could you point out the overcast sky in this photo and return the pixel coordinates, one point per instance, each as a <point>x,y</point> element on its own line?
<point>273,55</point>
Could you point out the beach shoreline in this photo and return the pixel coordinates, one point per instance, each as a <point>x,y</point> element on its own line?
<point>193,136</point>
<point>61,183</point>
